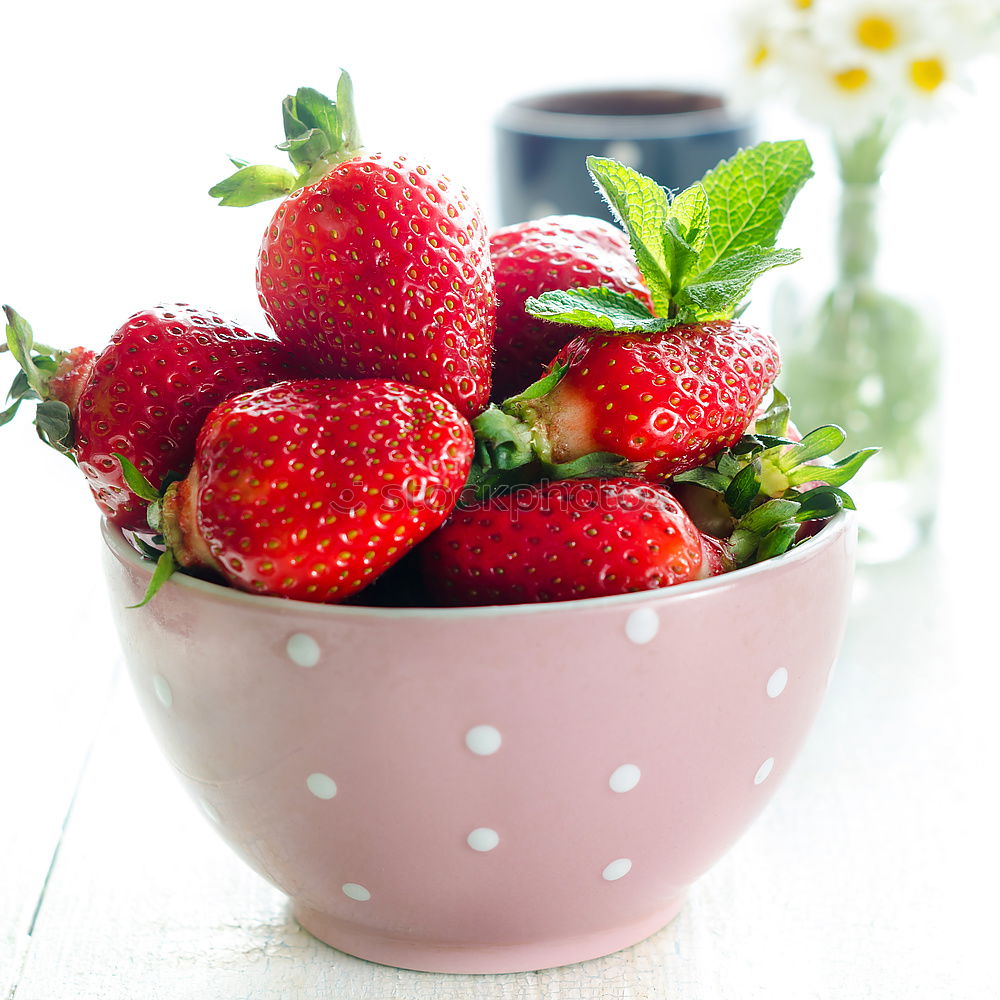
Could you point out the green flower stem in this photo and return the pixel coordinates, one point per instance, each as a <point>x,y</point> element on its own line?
<point>857,233</point>
<point>868,358</point>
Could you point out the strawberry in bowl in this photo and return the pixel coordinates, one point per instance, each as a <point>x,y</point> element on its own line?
<point>144,396</point>
<point>531,258</point>
<point>374,265</point>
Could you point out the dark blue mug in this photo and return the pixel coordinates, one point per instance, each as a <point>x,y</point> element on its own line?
<point>542,144</point>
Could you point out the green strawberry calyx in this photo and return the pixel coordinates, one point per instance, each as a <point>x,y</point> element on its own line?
<point>700,250</point>
<point>320,132</point>
<point>512,449</point>
<point>161,551</point>
<point>38,364</point>
<point>767,485</point>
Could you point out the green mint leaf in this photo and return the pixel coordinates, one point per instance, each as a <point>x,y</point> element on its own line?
<point>719,290</point>
<point>749,196</point>
<point>685,233</point>
<point>690,212</point>
<point>252,185</point>
<point>642,207</point>
<point>596,309</point>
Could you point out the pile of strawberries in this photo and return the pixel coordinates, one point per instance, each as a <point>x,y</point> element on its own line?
<point>635,439</point>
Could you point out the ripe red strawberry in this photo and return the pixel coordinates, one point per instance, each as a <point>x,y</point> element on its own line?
<point>665,401</point>
<point>669,399</point>
<point>373,265</point>
<point>311,489</point>
<point>558,541</point>
<point>144,396</point>
<point>560,251</point>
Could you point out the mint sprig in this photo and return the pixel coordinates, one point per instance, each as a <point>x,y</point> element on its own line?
<point>750,195</point>
<point>596,309</point>
<point>699,251</point>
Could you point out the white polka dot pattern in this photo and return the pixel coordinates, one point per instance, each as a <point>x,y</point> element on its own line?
<point>321,785</point>
<point>483,839</point>
<point>483,740</point>
<point>776,682</point>
<point>642,626</point>
<point>763,771</point>
<point>303,650</point>
<point>624,778</point>
<point>617,869</point>
<point>162,689</point>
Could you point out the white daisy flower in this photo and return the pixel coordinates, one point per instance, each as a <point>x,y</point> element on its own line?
<point>851,63</point>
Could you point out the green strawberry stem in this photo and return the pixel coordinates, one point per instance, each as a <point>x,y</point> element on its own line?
<point>513,452</point>
<point>39,365</point>
<point>758,484</point>
<point>165,568</point>
<point>319,133</point>
<point>166,563</point>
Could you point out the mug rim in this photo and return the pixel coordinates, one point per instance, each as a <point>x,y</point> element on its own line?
<point>519,115</point>
<point>831,532</point>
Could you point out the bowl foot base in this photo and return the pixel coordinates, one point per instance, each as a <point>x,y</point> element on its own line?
<point>422,956</point>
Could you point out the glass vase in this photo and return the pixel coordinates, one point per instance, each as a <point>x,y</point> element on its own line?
<point>869,360</point>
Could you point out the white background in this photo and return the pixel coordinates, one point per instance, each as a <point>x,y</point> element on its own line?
<point>115,119</point>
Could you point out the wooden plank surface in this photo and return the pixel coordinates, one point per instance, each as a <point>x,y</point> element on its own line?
<point>54,678</point>
<point>868,876</point>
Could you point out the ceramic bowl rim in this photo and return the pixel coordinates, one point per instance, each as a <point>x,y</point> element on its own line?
<point>828,535</point>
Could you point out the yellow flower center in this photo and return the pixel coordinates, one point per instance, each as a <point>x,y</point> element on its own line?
<point>927,74</point>
<point>877,32</point>
<point>759,55</point>
<point>802,4</point>
<point>852,79</point>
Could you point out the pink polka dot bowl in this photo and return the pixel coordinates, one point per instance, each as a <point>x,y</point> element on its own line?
<point>487,789</point>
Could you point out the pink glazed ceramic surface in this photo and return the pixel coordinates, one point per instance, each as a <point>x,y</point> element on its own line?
<point>489,789</point>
